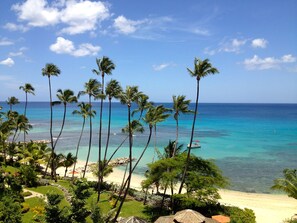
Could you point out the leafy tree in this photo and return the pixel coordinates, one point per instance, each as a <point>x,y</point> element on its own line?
<point>10,210</point>
<point>288,184</point>
<point>81,192</point>
<point>28,176</point>
<point>53,213</point>
<point>202,68</point>
<point>105,66</point>
<point>12,101</point>
<point>180,105</point>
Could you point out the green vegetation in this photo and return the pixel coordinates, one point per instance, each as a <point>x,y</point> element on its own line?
<point>22,162</point>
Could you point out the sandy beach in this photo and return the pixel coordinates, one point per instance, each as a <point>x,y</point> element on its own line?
<point>268,208</point>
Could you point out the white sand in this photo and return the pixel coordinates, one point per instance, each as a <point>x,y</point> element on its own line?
<point>268,208</point>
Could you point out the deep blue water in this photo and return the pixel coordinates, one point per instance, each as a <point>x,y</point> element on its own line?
<point>251,143</point>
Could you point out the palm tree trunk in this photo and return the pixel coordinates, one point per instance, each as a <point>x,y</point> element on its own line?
<point>176,139</point>
<point>130,164</point>
<point>62,126</point>
<point>191,140</point>
<point>108,131</point>
<point>25,112</point>
<point>77,148</point>
<point>90,140</point>
<point>137,162</point>
<point>51,127</point>
<point>100,172</point>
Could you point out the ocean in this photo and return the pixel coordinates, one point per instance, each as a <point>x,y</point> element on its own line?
<point>251,143</point>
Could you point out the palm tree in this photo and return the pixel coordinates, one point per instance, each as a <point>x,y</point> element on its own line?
<point>92,89</point>
<point>202,68</point>
<point>113,89</point>
<point>12,101</point>
<point>65,97</point>
<point>28,89</point>
<point>85,111</point>
<point>142,105</point>
<point>49,70</point>
<point>21,123</point>
<point>105,66</point>
<point>68,162</point>
<point>127,97</point>
<point>288,184</point>
<point>180,105</point>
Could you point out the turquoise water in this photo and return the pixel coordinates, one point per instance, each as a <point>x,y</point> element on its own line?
<point>251,143</point>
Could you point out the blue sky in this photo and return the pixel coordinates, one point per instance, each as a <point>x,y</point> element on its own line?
<point>252,44</point>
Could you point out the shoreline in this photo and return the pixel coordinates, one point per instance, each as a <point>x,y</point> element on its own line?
<point>268,208</point>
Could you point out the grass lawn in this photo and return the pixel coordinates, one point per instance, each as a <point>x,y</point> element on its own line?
<point>32,202</point>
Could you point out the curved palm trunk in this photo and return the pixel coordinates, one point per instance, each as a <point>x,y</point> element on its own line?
<point>90,141</point>
<point>51,128</point>
<point>105,153</point>
<point>176,139</point>
<point>25,112</point>
<point>62,126</point>
<point>130,164</point>
<point>191,140</point>
<point>137,162</point>
<point>77,148</point>
<point>100,172</point>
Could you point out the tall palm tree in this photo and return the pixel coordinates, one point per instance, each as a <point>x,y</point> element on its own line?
<point>112,90</point>
<point>92,89</point>
<point>28,89</point>
<point>12,101</point>
<point>105,66</point>
<point>65,97</point>
<point>127,97</point>
<point>49,70</point>
<point>202,68</point>
<point>180,105</point>
<point>85,111</point>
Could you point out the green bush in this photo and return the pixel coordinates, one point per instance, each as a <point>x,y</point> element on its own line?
<point>28,176</point>
<point>238,215</point>
<point>26,193</point>
<point>25,208</point>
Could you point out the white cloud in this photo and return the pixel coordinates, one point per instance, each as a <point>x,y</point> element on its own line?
<point>7,62</point>
<point>15,27</point>
<point>37,13</point>
<point>65,46</point>
<point>259,43</point>
<point>18,53</point>
<point>288,58</point>
<point>83,16</point>
<point>257,63</point>
<point>162,66</point>
<point>5,42</point>
<point>78,16</point>
<point>232,46</point>
<point>126,26</point>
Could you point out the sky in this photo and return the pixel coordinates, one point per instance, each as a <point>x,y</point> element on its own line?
<point>152,43</point>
